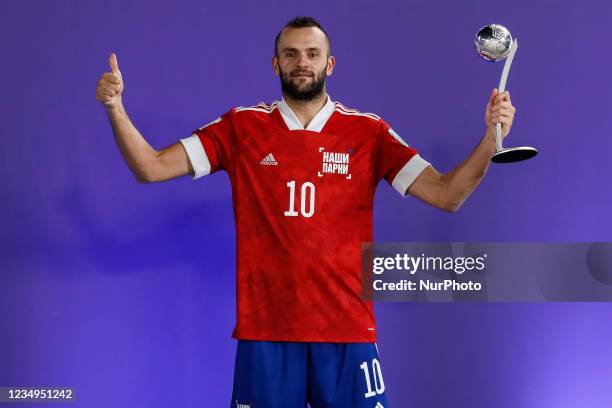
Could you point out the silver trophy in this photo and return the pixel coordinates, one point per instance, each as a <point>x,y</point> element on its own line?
<point>494,43</point>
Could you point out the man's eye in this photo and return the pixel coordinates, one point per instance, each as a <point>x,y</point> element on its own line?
<point>289,55</point>
<point>313,54</point>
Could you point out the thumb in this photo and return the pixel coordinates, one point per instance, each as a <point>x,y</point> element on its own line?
<point>492,97</point>
<point>114,65</point>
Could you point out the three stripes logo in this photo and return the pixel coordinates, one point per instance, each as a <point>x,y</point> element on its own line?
<point>269,160</point>
<point>239,405</point>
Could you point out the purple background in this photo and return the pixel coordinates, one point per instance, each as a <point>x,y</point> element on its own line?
<point>126,291</point>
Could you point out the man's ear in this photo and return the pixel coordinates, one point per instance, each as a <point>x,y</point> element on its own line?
<point>331,63</point>
<point>275,65</point>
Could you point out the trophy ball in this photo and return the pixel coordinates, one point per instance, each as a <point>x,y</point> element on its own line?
<point>493,42</point>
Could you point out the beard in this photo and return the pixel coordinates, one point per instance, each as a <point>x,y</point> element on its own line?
<point>305,93</point>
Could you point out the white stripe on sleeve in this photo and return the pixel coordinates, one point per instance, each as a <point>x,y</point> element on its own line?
<point>197,156</point>
<point>406,176</point>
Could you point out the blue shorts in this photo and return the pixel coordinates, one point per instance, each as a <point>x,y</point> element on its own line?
<point>271,374</point>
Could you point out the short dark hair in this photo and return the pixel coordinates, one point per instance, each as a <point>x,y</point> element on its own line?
<point>301,22</point>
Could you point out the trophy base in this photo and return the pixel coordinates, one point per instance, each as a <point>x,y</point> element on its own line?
<point>514,154</point>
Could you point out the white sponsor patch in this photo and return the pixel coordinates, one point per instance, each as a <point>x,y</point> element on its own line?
<point>335,163</point>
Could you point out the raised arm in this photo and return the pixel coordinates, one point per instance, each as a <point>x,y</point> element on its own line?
<point>147,164</point>
<point>449,191</point>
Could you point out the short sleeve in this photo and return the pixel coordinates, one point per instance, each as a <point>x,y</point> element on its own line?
<point>210,148</point>
<point>397,162</point>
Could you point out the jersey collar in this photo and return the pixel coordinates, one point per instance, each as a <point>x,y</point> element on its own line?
<point>315,125</point>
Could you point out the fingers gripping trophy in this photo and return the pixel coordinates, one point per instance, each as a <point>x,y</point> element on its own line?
<point>494,43</point>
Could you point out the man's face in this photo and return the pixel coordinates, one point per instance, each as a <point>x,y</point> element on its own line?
<point>303,62</point>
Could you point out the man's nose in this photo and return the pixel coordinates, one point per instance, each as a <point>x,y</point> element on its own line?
<point>302,60</point>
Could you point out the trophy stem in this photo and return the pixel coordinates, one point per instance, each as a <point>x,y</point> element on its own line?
<point>502,88</point>
<point>513,154</point>
<point>498,138</point>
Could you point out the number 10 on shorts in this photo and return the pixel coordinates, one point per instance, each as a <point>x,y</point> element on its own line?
<point>379,384</point>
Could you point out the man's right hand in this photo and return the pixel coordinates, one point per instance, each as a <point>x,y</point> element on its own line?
<point>110,86</point>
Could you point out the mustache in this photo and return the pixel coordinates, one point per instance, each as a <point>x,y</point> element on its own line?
<point>301,72</point>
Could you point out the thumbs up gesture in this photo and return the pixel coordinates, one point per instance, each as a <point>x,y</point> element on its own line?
<point>110,85</point>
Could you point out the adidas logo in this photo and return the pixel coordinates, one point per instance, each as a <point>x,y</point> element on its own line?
<point>239,405</point>
<point>269,160</point>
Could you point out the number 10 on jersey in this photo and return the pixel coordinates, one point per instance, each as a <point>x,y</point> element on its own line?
<point>307,196</point>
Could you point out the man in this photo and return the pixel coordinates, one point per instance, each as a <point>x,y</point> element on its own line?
<point>303,174</point>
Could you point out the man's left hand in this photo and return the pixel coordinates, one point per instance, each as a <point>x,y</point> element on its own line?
<point>499,110</point>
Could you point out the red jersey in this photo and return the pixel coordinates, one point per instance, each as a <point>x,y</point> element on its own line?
<point>303,201</point>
